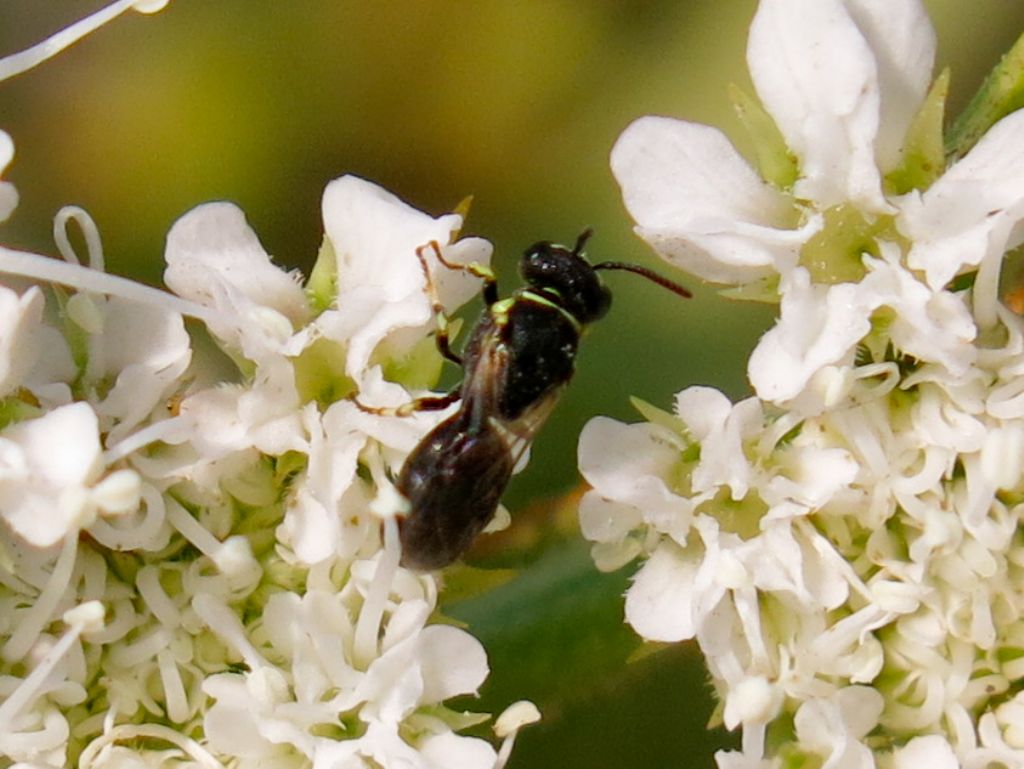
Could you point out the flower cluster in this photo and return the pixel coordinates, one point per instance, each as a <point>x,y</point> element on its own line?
<point>843,546</point>
<point>199,562</point>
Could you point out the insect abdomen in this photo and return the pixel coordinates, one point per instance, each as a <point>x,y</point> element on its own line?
<point>453,481</point>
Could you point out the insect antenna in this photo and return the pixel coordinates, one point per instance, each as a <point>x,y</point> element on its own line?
<point>581,241</point>
<point>651,275</point>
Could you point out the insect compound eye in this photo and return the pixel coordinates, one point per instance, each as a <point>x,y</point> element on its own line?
<point>568,278</point>
<point>601,304</point>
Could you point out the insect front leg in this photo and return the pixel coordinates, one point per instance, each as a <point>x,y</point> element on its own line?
<point>490,293</point>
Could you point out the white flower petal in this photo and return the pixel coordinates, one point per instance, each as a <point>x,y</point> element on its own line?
<point>660,602</point>
<point>386,748</point>
<point>317,523</point>
<point>6,150</point>
<point>453,662</point>
<point>777,563</point>
<point>630,464</point>
<point>602,520</point>
<point>387,317</point>
<point>972,210</point>
<point>20,316</point>
<point>833,727</point>
<point>138,334</point>
<point>45,466</point>
<point>722,458</point>
<point>734,759</point>
<point>613,456</point>
<point>8,194</point>
<point>699,204</point>
<point>902,39</point>
<point>515,717</point>
<point>940,423</point>
<point>146,348</point>
<point>818,326</point>
<point>451,751</point>
<point>310,528</point>
<point>393,685</point>
<point>753,699</point>
<point>375,236</point>
<point>932,750</point>
<point>264,416</point>
<point>931,324</point>
<point>231,724</point>
<point>818,473</point>
<point>704,410</point>
<point>816,75</point>
<point>62,445</point>
<point>214,258</point>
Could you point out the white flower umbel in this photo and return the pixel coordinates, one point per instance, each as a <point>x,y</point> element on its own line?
<point>844,546</point>
<point>199,559</point>
<point>230,528</point>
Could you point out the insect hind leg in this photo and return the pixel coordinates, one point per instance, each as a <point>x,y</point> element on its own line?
<point>426,403</point>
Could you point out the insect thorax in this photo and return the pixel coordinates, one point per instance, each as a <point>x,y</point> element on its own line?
<point>540,340</point>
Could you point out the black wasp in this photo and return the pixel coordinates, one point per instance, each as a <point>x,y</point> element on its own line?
<point>519,358</point>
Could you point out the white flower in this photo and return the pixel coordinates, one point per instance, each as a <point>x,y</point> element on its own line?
<point>20,317</point>
<point>374,237</point>
<point>834,728</point>
<point>418,666</point>
<point>135,361</point>
<point>263,414</point>
<point>844,547</point>
<point>50,474</point>
<point>208,526</point>
<point>626,494</point>
<point>263,615</point>
<point>700,205</point>
<point>973,210</point>
<point>842,81</point>
<point>932,751</point>
<point>215,259</point>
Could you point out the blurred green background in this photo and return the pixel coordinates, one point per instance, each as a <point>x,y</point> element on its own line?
<point>516,103</point>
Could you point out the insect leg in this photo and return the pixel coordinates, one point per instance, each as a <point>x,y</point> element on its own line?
<point>440,316</point>
<point>426,403</point>
<point>490,288</point>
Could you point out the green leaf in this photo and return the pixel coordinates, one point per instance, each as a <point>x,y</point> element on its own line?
<point>320,373</point>
<point>254,485</point>
<point>462,582</point>
<point>1000,94</point>
<point>765,291</point>
<point>775,162</point>
<point>657,416</point>
<point>288,465</point>
<point>322,287</point>
<point>924,157</point>
<point>556,630</point>
<point>555,635</point>
<point>421,367</point>
<point>18,407</point>
<point>646,649</point>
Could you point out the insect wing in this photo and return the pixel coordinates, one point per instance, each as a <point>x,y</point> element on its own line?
<point>519,434</point>
<point>453,481</point>
<point>481,399</point>
<point>455,477</point>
